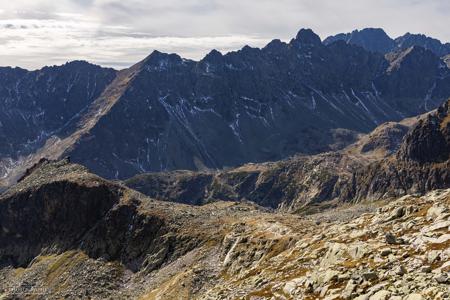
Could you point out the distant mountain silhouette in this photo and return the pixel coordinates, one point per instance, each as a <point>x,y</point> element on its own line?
<point>376,40</point>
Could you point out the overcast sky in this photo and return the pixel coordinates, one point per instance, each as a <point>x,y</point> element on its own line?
<point>118,33</point>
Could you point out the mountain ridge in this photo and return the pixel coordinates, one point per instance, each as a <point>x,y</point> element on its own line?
<point>376,40</point>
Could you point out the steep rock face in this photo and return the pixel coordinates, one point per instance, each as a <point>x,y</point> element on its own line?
<point>429,141</point>
<point>291,185</point>
<point>37,104</point>
<point>254,105</point>
<point>421,164</point>
<point>392,179</point>
<point>63,140</point>
<point>424,71</point>
<point>61,207</point>
<point>376,40</point>
<point>56,214</point>
<point>434,45</point>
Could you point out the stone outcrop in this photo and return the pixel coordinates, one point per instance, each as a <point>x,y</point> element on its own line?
<point>421,164</point>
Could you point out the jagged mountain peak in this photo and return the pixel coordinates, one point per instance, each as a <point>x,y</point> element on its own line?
<point>432,44</point>
<point>13,69</point>
<point>249,50</point>
<point>78,63</point>
<point>213,55</point>
<point>251,105</point>
<point>74,65</point>
<point>213,60</point>
<point>373,39</point>
<point>413,55</point>
<point>376,40</point>
<point>81,65</point>
<point>162,60</point>
<point>371,32</point>
<point>275,45</point>
<point>306,38</point>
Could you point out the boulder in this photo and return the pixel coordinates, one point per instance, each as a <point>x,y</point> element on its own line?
<point>414,297</point>
<point>381,295</point>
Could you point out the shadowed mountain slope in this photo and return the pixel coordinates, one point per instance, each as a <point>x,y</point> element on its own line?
<point>411,156</point>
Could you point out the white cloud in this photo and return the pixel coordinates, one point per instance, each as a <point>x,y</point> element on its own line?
<point>118,33</point>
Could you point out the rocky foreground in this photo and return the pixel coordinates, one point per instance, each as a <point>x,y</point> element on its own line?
<point>66,233</point>
<point>401,251</point>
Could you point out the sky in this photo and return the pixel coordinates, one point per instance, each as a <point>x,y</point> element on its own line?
<point>119,33</point>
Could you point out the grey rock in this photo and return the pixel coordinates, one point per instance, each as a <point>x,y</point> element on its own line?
<point>385,252</point>
<point>390,238</point>
<point>369,276</point>
<point>441,278</point>
<point>381,295</point>
<point>425,269</point>
<point>414,297</point>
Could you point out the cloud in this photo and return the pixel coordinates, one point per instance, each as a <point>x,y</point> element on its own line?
<point>118,33</point>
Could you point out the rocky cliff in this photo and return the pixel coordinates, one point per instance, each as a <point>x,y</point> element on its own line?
<point>77,235</point>
<point>289,185</point>
<point>421,164</point>
<point>34,105</point>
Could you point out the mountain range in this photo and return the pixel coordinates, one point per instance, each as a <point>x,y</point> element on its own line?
<point>302,170</point>
<point>252,105</point>
<point>376,40</point>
